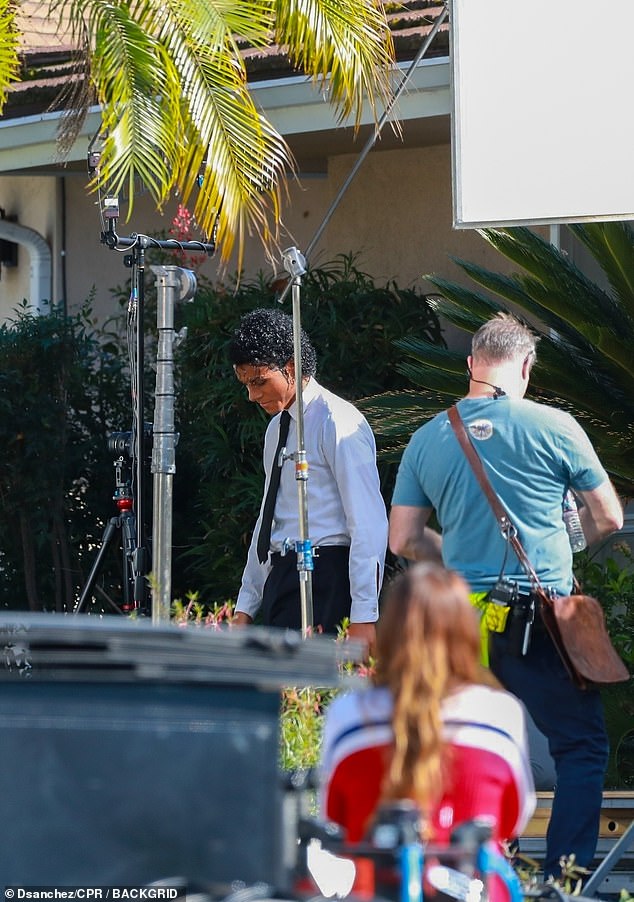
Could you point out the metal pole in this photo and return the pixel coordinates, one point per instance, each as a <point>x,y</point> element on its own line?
<point>296,266</point>
<point>304,549</point>
<point>591,887</point>
<point>139,557</point>
<point>173,284</point>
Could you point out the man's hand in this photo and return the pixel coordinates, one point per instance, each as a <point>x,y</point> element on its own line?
<point>364,632</point>
<point>241,619</point>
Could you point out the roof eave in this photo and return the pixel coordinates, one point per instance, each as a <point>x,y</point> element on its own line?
<point>293,105</point>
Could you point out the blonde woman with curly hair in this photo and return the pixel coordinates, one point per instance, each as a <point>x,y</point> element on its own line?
<point>434,727</point>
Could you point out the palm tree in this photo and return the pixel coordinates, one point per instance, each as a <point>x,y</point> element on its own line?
<point>585,361</point>
<point>170,78</point>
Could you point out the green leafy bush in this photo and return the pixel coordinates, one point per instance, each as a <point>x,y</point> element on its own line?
<point>611,580</point>
<point>61,390</point>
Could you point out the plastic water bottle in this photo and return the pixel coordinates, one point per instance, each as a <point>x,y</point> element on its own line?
<point>573,524</point>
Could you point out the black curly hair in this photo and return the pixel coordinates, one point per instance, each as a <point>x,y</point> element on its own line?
<point>264,337</point>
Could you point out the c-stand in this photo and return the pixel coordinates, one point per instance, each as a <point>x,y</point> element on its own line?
<point>136,554</point>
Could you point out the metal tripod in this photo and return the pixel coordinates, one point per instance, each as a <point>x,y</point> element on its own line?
<point>125,523</point>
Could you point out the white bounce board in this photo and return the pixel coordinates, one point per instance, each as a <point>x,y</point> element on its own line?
<point>543,116</point>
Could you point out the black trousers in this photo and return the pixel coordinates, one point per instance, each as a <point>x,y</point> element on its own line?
<point>281,602</point>
<point>572,721</point>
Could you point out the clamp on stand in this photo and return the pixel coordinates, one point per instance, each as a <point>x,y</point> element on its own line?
<point>295,265</point>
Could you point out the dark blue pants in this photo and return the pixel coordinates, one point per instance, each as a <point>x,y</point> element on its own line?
<point>281,602</point>
<point>572,720</point>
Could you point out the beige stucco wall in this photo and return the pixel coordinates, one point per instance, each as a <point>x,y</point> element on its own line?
<point>34,201</point>
<point>396,215</point>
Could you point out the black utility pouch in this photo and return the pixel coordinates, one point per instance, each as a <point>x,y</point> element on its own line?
<point>519,628</point>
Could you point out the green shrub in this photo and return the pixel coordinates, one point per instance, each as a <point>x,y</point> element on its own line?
<point>611,580</point>
<point>61,389</point>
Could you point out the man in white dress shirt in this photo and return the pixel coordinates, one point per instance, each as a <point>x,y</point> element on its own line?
<point>346,513</point>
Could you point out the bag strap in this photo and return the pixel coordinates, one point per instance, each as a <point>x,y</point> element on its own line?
<point>507,528</point>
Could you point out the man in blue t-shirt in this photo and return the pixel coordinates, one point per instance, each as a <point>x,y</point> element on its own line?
<point>532,454</point>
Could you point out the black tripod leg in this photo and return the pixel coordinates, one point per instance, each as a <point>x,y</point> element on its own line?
<point>128,543</point>
<point>103,594</point>
<point>111,528</point>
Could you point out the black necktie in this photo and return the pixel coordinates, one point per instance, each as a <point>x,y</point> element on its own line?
<point>264,537</point>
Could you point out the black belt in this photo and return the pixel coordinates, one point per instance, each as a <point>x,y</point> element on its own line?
<point>277,556</point>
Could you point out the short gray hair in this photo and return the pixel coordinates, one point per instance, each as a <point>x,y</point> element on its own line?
<point>502,338</point>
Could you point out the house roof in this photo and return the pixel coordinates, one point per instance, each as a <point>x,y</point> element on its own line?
<point>50,62</point>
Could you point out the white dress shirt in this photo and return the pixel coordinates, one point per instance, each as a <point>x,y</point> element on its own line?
<point>345,506</point>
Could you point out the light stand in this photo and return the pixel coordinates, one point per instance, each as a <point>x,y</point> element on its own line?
<point>592,884</point>
<point>295,265</point>
<point>173,284</point>
<point>162,459</point>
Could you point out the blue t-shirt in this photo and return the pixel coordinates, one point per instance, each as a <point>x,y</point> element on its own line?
<point>532,455</point>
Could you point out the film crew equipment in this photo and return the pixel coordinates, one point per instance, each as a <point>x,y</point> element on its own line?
<point>520,627</point>
<point>295,265</point>
<point>169,278</point>
<point>112,721</point>
<point>394,863</point>
<point>173,284</point>
<point>498,392</point>
<point>519,615</point>
<point>124,521</point>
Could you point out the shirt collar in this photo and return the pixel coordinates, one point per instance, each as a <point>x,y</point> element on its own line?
<point>309,391</point>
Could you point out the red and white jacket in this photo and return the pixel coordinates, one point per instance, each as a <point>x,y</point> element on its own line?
<point>487,767</point>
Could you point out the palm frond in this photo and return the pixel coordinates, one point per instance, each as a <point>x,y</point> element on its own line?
<point>137,85</point>
<point>549,273</point>
<point>612,244</point>
<point>462,306</point>
<point>171,80</point>
<point>9,48</point>
<point>351,43</point>
<point>240,157</point>
<point>395,415</point>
